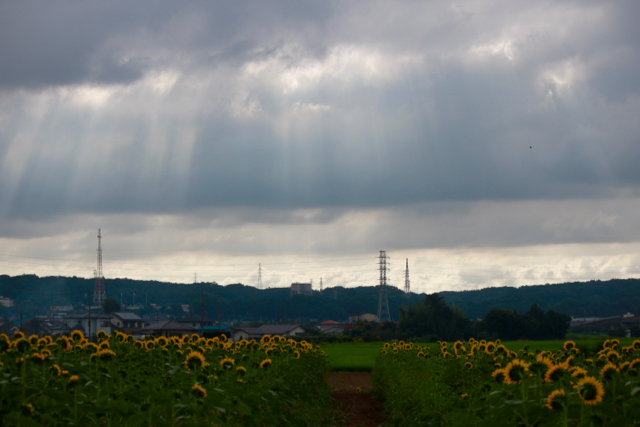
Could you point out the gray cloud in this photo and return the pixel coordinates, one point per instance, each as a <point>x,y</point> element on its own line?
<point>352,125</point>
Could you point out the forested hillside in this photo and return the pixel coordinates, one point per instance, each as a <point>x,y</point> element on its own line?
<point>34,295</point>
<point>578,299</point>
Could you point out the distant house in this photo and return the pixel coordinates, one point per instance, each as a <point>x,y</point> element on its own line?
<point>195,321</point>
<point>331,327</point>
<point>168,328</point>
<point>127,320</point>
<point>8,328</point>
<point>301,289</point>
<point>6,302</point>
<point>257,333</point>
<point>80,322</point>
<point>369,317</point>
<point>129,323</point>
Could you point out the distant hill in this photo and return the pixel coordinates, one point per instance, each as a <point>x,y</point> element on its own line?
<point>34,295</point>
<point>577,299</point>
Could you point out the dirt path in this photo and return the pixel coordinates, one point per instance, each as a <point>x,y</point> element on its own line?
<point>361,409</point>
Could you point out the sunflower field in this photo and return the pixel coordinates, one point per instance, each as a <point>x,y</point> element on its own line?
<point>188,381</point>
<point>479,383</point>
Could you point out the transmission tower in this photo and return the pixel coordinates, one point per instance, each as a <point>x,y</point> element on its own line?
<point>99,294</point>
<point>259,276</point>
<point>321,285</point>
<point>407,286</point>
<point>383,302</point>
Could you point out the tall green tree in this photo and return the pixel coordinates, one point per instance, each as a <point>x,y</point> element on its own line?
<point>109,305</point>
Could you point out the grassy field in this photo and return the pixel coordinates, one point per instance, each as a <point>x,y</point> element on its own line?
<point>360,357</point>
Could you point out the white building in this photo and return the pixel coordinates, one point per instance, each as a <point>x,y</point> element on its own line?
<point>80,322</point>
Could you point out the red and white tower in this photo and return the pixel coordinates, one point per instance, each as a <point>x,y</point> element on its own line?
<point>99,294</point>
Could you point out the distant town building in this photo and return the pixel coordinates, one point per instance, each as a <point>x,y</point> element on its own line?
<point>80,322</point>
<point>257,333</point>
<point>127,320</point>
<point>331,327</point>
<point>195,321</point>
<point>169,328</point>
<point>6,302</point>
<point>369,317</point>
<point>301,289</point>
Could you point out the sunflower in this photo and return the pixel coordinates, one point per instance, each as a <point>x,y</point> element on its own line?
<point>383,351</point>
<point>568,345</point>
<point>296,354</point>
<point>498,375</point>
<point>420,354</point>
<point>578,372</point>
<point>77,335</point>
<point>194,360</point>
<point>501,350</point>
<point>138,345</point>
<point>56,370</point>
<point>101,334</point>
<point>555,373</point>
<point>45,352</point>
<point>636,345</point>
<point>386,345</point>
<point>150,345</point>
<point>227,363</point>
<point>635,365</point>
<point>18,334</point>
<point>33,340</point>
<point>490,348</point>
<point>241,370</point>
<point>468,365</point>
<point>73,380</point>
<point>446,355</point>
<point>104,354</point>
<point>514,372</point>
<point>265,364</point>
<point>608,371</point>
<point>542,365</point>
<point>103,345</point>
<point>223,338</point>
<point>199,391</point>
<point>266,339</point>
<point>37,358</point>
<point>590,390</point>
<point>556,400</point>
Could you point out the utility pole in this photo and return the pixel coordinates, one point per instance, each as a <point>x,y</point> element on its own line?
<point>259,276</point>
<point>20,320</point>
<point>219,327</point>
<point>202,314</point>
<point>407,286</point>
<point>89,295</point>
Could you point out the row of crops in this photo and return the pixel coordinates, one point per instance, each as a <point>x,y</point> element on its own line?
<point>478,383</point>
<point>188,381</point>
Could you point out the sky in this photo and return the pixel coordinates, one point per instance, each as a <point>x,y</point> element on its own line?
<point>487,143</point>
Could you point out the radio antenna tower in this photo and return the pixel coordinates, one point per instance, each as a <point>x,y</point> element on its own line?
<point>99,294</point>
<point>321,285</point>
<point>407,286</point>
<point>259,276</point>
<point>383,302</point>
